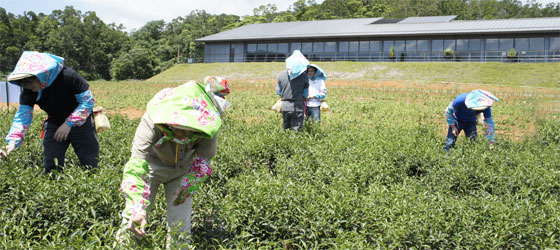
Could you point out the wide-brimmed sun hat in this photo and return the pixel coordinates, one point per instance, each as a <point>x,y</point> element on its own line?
<point>480,100</point>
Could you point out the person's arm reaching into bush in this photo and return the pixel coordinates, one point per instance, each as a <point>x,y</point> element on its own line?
<point>136,181</point>
<point>22,120</point>
<point>200,170</point>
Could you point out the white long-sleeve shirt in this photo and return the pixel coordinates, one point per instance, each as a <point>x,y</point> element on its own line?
<point>318,92</point>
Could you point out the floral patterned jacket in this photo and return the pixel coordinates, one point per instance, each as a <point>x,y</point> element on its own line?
<point>188,106</point>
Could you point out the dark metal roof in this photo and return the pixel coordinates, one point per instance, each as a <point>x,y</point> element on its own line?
<point>385,21</point>
<point>429,19</point>
<point>367,27</point>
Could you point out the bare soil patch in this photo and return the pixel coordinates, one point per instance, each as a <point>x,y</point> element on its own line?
<point>130,113</point>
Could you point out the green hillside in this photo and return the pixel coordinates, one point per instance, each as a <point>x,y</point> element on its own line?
<point>511,74</point>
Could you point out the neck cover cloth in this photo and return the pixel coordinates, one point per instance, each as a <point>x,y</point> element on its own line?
<point>480,99</point>
<point>296,64</point>
<point>44,66</point>
<point>217,85</point>
<point>320,74</point>
<point>188,107</point>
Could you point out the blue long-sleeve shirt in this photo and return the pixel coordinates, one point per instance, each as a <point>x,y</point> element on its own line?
<point>457,112</point>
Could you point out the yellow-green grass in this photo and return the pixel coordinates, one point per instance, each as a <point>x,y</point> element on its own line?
<point>495,73</point>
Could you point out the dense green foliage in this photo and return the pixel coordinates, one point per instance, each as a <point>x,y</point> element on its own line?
<point>372,175</point>
<point>138,63</point>
<point>104,51</point>
<point>87,44</point>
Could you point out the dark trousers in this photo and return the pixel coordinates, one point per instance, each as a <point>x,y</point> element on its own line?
<point>314,113</point>
<point>292,120</point>
<point>470,132</point>
<point>83,140</point>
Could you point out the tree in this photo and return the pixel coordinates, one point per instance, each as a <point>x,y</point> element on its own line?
<point>284,16</point>
<point>138,63</point>
<point>268,12</point>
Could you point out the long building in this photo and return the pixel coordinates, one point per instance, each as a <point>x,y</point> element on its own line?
<point>436,38</point>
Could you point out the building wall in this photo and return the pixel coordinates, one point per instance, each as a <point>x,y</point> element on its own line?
<point>529,48</point>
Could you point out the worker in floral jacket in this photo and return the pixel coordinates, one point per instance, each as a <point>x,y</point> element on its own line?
<point>66,98</point>
<point>173,146</point>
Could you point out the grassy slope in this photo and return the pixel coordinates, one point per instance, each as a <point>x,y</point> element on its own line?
<point>526,74</point>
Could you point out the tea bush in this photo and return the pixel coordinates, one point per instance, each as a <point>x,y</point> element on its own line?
<point>372,175</point>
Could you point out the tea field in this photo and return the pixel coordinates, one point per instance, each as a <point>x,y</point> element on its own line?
<point>372,175</point>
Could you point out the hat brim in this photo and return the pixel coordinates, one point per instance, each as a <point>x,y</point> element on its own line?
<point>18,76</point>
<point>479,108</point>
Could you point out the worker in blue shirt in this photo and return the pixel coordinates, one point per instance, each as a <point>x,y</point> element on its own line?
<point>462,114</point>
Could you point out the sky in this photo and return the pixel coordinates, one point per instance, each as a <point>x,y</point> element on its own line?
<point>133,14</point>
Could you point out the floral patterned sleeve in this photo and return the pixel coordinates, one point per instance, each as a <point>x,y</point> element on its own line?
<point>22,120</point>
<point>81,113</point>
<point>449,114</point>
<point>489,124</point>
<point>136,188</point>
<point>200,170</point>
<point>200,167</point>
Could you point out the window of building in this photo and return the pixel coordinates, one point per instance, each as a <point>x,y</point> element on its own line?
<point>261,48</point>
<point>387,45</point>
<point>492,44</point>
<point>536,43</point>
<point>375,46</point>
<point>554,44</point>
<point>251,51</point>
<point>506,44</point>
<point>306,47</point>
<point>353,47</point>
<point>236,52</point>
<point>521,44</point>
<point>437,45</point>
<point>261,52</point>
<point>282,47</point>
<point>474,44</point>
<point>218,53</point>
<point>295,46</point>
<point>251,48</point>
<point>449,44</point>
<point>422,45</point>
<point>399,45</point>
<point>364,46</point>
<point>462,45</point>
<point>330,47</point>
<point>410,45</point>
<point>329,51</point>
<point>318,47</point>
<point>342,46</point>
<point>272,47</point>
